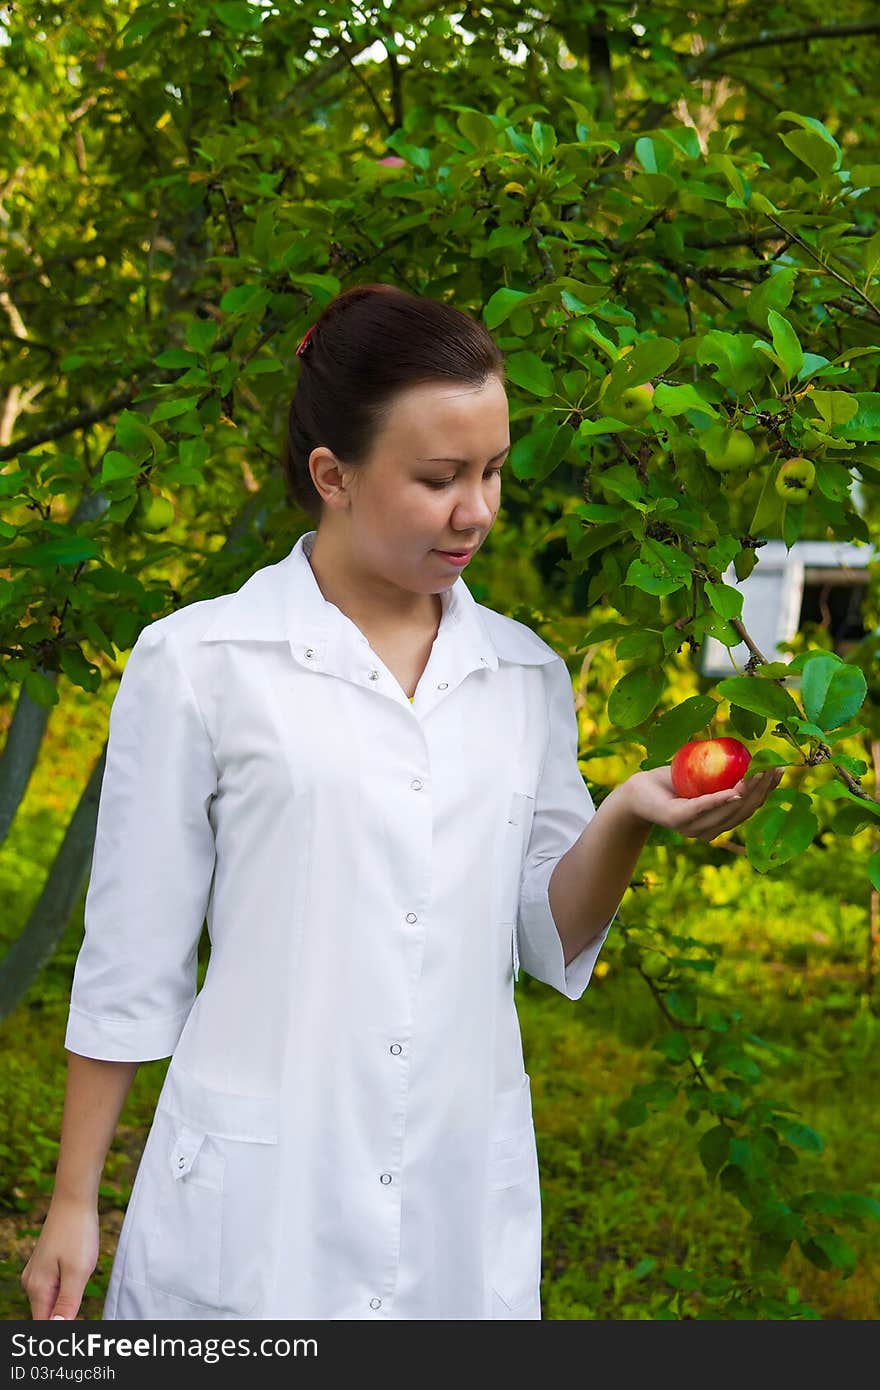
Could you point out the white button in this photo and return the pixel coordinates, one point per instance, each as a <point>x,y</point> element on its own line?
<point>416,784</point>
<point>396,1049</point>
<point>444,685</point>
<point>310,651</point>
<point>385,1178</point>
<point>375,1303</point>
<point>374,675</point>
<point>484,661</point>
<point>411,917</point>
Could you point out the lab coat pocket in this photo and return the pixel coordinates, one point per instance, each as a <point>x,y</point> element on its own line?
<point>517,832</point>
<point>207,1211</point>
<point>514,1215</point>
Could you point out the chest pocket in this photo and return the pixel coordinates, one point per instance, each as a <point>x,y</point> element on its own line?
<point>517,831</point>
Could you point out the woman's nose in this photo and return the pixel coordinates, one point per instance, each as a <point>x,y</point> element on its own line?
<point>474,510</point>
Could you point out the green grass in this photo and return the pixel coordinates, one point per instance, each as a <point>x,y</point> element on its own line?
<point>621,1207</point>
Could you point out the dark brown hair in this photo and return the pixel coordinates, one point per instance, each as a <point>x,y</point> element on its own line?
<point>369,343</point>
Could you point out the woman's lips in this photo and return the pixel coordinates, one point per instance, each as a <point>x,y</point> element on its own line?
<point>453,557</point>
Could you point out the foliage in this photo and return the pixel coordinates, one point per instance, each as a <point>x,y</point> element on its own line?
<point>649,199</point>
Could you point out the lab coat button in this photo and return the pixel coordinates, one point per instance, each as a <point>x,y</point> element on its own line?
<point>385,1178</point>
<point>416,784</point>
<point>444,685</point>
<point>375,1303</point>
<point>396,1049</point>
<point>411,917</point>
<point>310,652</point>
<point>374,675</point>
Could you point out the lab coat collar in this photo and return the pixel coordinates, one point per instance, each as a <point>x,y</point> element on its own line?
<point>283,602</point>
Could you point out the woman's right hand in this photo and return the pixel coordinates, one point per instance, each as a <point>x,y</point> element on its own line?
<point>63,1259</point>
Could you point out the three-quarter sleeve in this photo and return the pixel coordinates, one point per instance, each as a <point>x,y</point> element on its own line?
<point>152,865</point>
<point>563,806</point>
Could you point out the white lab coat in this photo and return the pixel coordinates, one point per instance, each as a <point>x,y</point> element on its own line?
<point>345,1127</point>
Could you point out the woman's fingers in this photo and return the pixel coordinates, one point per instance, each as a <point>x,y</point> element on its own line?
<point>731,813</point>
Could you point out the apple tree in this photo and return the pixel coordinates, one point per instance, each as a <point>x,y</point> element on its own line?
<point>669,226</point>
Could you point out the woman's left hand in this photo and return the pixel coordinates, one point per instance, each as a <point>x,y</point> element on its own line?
<point>652,799</point>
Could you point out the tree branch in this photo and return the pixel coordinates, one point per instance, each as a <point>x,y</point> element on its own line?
<point>779,36</point>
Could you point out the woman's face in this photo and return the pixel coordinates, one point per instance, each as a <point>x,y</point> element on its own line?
<point>431,484</point>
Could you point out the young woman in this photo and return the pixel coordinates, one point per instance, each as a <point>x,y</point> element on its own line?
<point>367,782</point>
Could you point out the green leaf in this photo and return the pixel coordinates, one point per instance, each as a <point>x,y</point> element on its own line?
<point>677,400</point>
<point>642,646</point>
<point>622,480</point>
<point>78,670</point>
<point>713,1148</point>
<point>193,453</point>
<point>812,151</point>
<point>760,696</point>
<point>64,550</point>
<point>648,359</point>
<point>169,410</point>
<point>631,1112</point>
<point>537,453</point>
<point>674,1046</point>
<point>865,424</point>
<point>543,139</point>
<point>768,508</point>
<point>723,1054</point>
<point>115,465</point>
<point>659,568</point>
<point>773,293</point>
<point>736,366</point>
<point>835,407</point>
<point>776,834</point>
<point>478,129</point>
<point>501,306</point>
<point>602,632</point>
<point>785,344</point>
<point>832,690</point>
<point>527,370</point>
<point>635,695</point>
<point>135,435</point>
<point>801,1136</point>
<point>244,299</point>
<point>238,15</point>
<point>725,600</point>
<point>681,1005</point>
<point>200,335</point>
<point>176,357</point>
<point>657,1094</point>
<point>870,256</point>
<point>678,726</point>
<point>41,689</point>
<point>837,1252</point>
<point>855,1205</point>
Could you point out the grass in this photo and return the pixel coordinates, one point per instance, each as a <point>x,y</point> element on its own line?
<point>621,1207</point>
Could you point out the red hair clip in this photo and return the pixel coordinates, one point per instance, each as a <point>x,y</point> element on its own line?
<point>306,340</point>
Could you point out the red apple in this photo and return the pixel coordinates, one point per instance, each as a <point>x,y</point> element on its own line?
<point>709,765</point>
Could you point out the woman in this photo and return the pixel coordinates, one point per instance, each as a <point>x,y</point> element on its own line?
<point>367,783</point>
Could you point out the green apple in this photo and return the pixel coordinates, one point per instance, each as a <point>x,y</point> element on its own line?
<point>655,965</point>
<point>153,513</point>
<point>726,449</point>
<point>795,479</point>
<point>632,405</point>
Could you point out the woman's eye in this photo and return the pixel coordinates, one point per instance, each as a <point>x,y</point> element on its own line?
<point>445,482</point>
